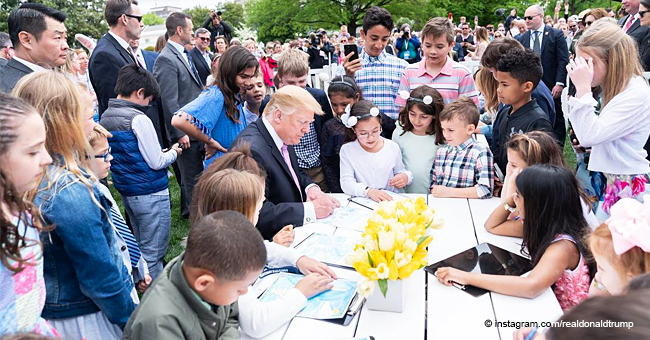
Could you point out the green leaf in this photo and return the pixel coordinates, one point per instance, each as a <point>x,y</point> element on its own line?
<point>383,286</point>
<point>422,239</point>
<point>370,260</point>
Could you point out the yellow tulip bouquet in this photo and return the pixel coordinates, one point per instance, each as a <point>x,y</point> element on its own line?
<point>394,243</point>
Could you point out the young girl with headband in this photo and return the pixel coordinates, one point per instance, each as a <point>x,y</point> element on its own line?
<point>370,164</point>
<point>419,134</point>
<point>342,92</point>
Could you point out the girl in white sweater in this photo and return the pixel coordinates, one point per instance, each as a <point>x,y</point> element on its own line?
<point>607,57</point>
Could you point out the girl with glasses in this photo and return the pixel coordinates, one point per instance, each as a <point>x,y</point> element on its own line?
<point>370,164</point>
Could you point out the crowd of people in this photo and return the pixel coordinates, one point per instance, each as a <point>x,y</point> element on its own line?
<point>255,150</point>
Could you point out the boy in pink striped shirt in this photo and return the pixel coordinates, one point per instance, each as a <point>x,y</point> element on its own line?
<point>437,69</point>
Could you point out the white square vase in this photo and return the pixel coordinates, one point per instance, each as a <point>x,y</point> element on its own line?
<point>394,300</point>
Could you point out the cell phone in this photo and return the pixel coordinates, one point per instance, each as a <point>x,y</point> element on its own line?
<point>476,18</point>
<point>351,48</point>
<point>499,172</point>
<point>450,15</point>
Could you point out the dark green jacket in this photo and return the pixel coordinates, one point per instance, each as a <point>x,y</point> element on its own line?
<point>171,310</point>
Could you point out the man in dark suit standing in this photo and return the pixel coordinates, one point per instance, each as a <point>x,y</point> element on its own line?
<point>291,196</point>
<point>549,43</point>
<point>180,84</point>
<point>113,50</point>
<point>631,23</point>
<point>200,55</point>
<point>38,35</point>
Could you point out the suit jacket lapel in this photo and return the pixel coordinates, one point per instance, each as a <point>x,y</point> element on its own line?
<point>18,66</point>
<point>125,55</point>
<point>634,26</point>
<point>198,56</point>
<point>545,39</point>
<point>184,62</point>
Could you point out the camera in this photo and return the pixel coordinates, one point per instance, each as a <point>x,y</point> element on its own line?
<point>316,39</point>
<point>219,12</point>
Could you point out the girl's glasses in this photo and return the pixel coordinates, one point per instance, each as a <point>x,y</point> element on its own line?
<point>366,134</point>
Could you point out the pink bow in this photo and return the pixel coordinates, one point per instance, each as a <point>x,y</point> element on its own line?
<point>630,224</point>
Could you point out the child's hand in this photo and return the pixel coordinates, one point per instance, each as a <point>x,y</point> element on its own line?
<point>285,236</point>
<point>399,181</point>
<point>448,275</point>
<point>313,284</point>
<point>521,334</point>
<point>439,191</point>
<point>144,284</point>
<point>581,72</point>
<point>307,265</point>
<point>178,149</point>
<point>351,67</point>
<point>379,195</point>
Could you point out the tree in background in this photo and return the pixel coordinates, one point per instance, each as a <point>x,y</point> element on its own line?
<point>151,19</point>
<point>84,16</point>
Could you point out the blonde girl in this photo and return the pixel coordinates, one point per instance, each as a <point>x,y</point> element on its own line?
<point>88,286</point>
<point>606,57</point>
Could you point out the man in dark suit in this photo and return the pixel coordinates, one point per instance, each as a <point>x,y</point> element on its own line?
<point>113,50</point>
<point>549,43</point>
<point>293,69</point>
<point>291,196</point>
<point>38,35</point>
<point>631,23</point>
<point>180,84</point>
<point>200,55</point>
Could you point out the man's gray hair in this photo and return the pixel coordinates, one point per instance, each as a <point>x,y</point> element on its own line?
<point>5,40</point>
<point>200,31</point>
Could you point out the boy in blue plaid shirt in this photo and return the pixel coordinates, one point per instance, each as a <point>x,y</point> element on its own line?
<point>463,168</point>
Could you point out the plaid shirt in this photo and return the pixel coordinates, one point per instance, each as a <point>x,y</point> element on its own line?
<point>308,150</point>
<point>379,79</point>
<point>463,166</point>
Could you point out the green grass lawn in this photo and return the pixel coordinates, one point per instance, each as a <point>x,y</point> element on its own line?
<point>180,227</point>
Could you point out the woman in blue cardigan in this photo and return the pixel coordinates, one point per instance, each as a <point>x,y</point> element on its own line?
<point>215,116</point>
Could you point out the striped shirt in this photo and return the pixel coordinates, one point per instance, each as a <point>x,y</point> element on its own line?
<point>466,165</point>
<point>453,81</point>
<point>125,232</point>
<point>378,80</point>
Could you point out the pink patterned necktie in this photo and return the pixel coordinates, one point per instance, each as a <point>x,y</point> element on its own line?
<point>285,155</point>
<point>629,23</point>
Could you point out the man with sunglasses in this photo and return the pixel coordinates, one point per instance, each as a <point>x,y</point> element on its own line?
<point>550,45</point>
<point>200,55</point>
<point>113,50</point>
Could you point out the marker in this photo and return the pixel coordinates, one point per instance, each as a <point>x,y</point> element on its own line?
<point>531,335</point>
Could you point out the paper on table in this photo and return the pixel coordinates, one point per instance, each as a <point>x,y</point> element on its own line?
<point>329,249</point>
<point>370,204</point>
<point>331,304</point>
<point>353,218</point>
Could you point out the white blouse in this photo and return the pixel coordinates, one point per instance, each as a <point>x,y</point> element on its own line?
<point>616,136</point>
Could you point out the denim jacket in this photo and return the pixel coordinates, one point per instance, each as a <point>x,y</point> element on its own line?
<point>83,269</point>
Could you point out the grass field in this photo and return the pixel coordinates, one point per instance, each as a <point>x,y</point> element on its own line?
<point>181,227</point>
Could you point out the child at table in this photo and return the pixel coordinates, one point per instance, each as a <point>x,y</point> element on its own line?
<point>553,230</point>
<point>621,247</point>
<point>519,72</point>
<point>342,91</point>
<point>370,164</point>
<point>243,191</point>
<point>22,158</point>
<point>418,134</point>
<point>536,147</point>
<point>195,297</point>
<point>463,167</point>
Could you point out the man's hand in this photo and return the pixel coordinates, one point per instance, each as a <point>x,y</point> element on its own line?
<point>557,91</point>
<point>184,142</point>
<point>351,67</point>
